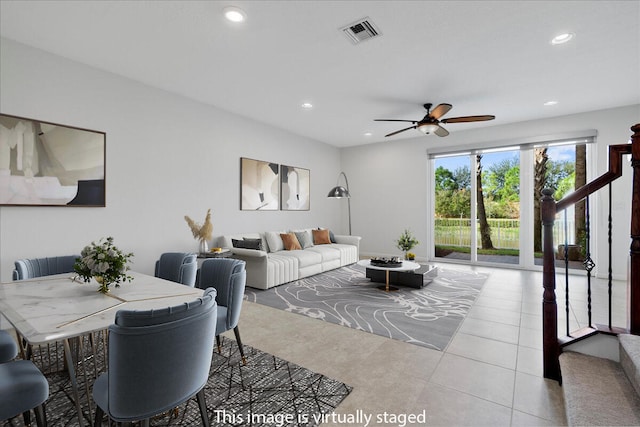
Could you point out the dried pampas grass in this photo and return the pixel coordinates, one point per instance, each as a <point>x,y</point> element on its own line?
<point>201,232</point>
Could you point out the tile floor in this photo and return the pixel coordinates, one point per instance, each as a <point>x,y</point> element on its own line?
<point>490,374</point>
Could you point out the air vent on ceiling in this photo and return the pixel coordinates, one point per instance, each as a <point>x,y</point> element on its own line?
<point>361,30</point>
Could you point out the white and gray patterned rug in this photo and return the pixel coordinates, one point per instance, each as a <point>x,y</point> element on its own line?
<point>426,317</point>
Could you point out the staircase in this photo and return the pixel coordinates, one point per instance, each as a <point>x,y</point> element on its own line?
<point>599,391</point>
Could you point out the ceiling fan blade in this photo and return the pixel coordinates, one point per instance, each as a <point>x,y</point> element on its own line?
<point>440,111</point>
<point>468,119</point>
<point>401,130</point>
<point>441,131</point>
<point>394,120</point>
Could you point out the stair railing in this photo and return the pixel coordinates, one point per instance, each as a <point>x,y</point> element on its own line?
<point>551,344</point>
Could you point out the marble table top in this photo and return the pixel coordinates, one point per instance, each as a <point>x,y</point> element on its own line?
<point>52,308</point>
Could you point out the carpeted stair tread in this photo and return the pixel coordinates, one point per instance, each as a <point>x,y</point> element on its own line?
<point>630,358</point>
<point>597,392</point>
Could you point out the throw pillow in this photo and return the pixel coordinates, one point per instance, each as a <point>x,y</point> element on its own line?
<point>247,244</point>
<point>305,239</point>
<point>274,241</point>
<point>331,235</point>
<point>290,241</point>
<point>321,237</point>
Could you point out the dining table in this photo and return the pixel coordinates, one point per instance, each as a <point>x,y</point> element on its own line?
<point>62,308</point>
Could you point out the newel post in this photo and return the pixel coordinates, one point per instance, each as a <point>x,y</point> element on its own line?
<point>550,346</point>
<point>634,274</point>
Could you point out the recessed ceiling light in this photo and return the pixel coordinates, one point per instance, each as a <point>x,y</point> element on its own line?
<point>307,105</point>
<point>234,14</point>
<point>562,38</point>
<point>550,103</point>
<point>368,134</point>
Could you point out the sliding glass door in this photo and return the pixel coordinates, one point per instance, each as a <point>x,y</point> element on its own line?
<point>498,206</point>
<point>486,202</point>
<point>452,227</point>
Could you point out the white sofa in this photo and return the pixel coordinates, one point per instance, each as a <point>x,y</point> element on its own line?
<point>275,265</point>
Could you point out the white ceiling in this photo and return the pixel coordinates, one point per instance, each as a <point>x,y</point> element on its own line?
<point>484,57</point>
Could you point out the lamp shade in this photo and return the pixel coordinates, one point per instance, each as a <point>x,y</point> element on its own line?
<point>427,128</point>
<point>339,192</point>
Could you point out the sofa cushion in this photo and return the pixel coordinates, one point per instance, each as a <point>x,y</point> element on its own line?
<point>246,243</point>
<point>305,258</point>
<point>290,241</point>
<point>321,237</point>
<point>274,241</point>
<point>332,236</point>
<point>328,252</point>
<point>305,238</point>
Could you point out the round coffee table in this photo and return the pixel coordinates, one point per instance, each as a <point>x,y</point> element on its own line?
<point>406,266</point>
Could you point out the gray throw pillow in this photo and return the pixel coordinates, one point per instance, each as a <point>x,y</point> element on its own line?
<point>304,238</point>
<point>247,244</point>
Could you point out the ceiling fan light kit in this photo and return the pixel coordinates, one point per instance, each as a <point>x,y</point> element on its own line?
<point>430,123</point>
<point>427,128</point>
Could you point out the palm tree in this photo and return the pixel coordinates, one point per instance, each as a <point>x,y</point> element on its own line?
<point>485,230</point>
<point>539,182</point>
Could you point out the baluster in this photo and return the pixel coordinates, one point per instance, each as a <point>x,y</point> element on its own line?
<point>588,262</point>
<point>610,275</point>
<point>566,270</point>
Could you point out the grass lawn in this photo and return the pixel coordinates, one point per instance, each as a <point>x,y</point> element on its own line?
<point>444,250</point>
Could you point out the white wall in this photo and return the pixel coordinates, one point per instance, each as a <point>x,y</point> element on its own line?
<point>167,157</point>
<point>389,183</point>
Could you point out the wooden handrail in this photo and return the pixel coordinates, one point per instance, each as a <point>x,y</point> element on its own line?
<point>549,208</point>
<point>615,171</point>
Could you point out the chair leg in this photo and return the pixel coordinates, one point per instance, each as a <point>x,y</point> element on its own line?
<point>26,416</point>
<point>99,414</point>
<point>144,423</point>
<point>236,331</point>
<point>218,344</point>
<point>202,404</point>
<point>41,415</point>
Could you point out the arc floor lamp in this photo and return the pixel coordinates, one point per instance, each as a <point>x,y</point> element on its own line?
<point>339,192</point>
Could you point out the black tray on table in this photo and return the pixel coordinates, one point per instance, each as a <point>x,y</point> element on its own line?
<point>386,262</point>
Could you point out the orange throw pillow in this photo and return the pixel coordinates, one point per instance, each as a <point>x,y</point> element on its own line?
<point>290,241</point>
<point>321,237</point>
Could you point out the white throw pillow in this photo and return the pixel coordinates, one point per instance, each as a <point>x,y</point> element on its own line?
<point>274,241</point>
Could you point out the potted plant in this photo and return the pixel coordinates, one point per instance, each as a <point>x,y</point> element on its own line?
<point>406,242</point>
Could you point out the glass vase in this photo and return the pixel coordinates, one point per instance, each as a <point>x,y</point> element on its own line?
<point>104,285</point>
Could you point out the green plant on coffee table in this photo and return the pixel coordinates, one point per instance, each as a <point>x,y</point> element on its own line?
<point>406,242</point>
<point>103,261</point>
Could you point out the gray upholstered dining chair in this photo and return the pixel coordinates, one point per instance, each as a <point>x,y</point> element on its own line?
<point>8,347</point>
<point>22,385</point>
<point>38,267</point>
<point>229,277</point>
<point>179,267</point>
<point>158,359</point>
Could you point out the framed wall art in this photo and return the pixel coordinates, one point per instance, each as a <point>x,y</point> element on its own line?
<point>294,188</point>
<point>259,185</point>
<point>49,164</point>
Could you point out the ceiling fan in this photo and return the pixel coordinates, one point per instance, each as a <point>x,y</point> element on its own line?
<point>430,123</point>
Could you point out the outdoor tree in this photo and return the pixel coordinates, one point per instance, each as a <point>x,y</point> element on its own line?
<point>580,180</point>
<point>501,188</point>
<point>539,183</point>
<point>453,197</point>
<point>485,230</point>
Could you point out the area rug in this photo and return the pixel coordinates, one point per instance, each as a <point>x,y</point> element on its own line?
<point>267,391</point>
<point>426,317</point>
